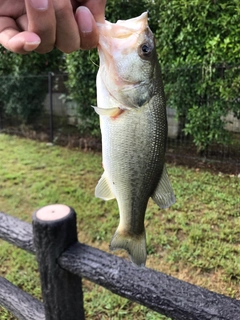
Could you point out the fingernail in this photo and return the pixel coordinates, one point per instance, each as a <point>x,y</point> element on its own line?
<point>30,46</point>
<point>84,19</point>
<point>40,4</point>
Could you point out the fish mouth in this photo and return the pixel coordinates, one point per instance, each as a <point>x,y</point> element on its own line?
<point>124,28</point>
<point>111,33</point>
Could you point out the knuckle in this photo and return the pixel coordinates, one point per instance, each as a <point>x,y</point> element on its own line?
<point>62,8</point>
<point>67,49</point>
<point>88,46</point>
<point>88,42</point>
<point>44,49</point>
<point>68,45</point>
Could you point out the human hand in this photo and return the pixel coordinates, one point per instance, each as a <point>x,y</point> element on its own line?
<point>39,25</point>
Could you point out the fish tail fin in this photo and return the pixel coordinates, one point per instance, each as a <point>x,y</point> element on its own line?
<point>135,245</point>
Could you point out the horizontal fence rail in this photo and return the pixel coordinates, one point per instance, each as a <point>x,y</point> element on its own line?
<point>58,250</point>
<point>16,232</point>
<point>155,290</point>
<point>20,303</point>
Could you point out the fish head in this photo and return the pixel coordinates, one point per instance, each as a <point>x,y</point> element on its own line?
<point>127,60</point>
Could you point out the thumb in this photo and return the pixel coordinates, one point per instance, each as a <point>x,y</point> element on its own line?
<point>14,40</point>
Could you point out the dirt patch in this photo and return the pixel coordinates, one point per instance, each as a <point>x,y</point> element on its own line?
<point>218,166</point>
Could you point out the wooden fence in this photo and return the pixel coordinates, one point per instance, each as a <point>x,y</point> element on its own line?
<point>63,261</point>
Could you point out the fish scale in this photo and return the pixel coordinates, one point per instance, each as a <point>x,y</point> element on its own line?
<point>132,110</point>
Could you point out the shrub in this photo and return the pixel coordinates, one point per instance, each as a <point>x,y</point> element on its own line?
<point>23,82</point>
<point>198,43</point>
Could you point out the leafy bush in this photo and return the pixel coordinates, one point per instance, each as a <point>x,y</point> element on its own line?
<point>203,96</point>
<point>22,96</point>
<point>198,43</point>
<point>23,82</point>
<point>206,121</point>
<point>82,67</point>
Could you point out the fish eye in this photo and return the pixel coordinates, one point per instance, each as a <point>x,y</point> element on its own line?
<point>145,51</point>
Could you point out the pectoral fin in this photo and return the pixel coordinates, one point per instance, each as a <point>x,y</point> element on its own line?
<point>107,112</point>
<point>163,195</point>
<point>103,190</point>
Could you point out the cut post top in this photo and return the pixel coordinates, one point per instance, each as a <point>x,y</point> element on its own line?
<point>53,212</point>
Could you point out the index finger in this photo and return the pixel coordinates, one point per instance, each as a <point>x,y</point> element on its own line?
<point>42,21</point>
<point>97,8</point>
<point>87,15</point>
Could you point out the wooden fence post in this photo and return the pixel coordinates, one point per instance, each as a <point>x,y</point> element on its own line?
<point>54,230</point>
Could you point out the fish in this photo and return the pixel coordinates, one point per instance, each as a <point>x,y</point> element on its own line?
<point>132,109</point>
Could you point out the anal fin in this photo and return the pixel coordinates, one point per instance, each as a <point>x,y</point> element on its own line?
<point>163,195</point>
<point>103,190</point>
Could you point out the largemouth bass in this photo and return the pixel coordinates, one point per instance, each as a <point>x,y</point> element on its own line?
<point>132,109</point>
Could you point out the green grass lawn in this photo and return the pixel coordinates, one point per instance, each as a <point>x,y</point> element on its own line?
<point>196,240</point>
